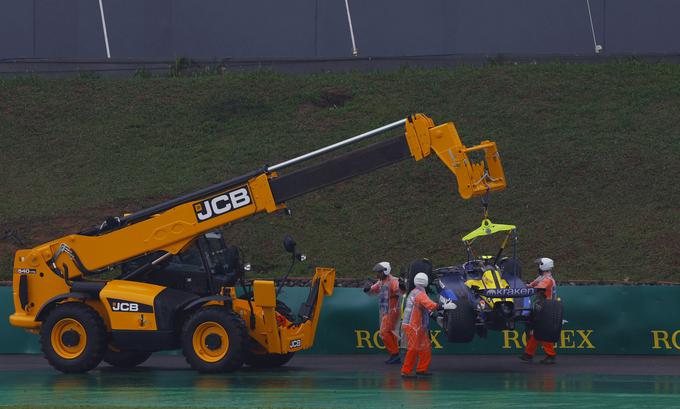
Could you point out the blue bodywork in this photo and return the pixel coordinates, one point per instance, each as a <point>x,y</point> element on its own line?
<point>452,288</point>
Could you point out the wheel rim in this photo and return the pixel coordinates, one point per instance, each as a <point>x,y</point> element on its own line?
<point>210,341</point>
<point>68,338</point>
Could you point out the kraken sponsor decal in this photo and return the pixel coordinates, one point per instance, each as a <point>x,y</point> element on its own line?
<point>509,292</point>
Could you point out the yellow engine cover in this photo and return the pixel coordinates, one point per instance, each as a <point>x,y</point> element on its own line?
<point>487,281</point>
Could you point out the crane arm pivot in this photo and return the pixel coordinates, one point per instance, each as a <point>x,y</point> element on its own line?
<point>474,179</point>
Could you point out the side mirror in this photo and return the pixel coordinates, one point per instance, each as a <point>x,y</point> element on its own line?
<point>289,244</point>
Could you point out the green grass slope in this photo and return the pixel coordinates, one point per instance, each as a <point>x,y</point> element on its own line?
<point>590,151</point>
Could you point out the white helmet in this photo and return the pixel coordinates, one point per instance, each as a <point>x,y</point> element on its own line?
<point>545,264</point>
<point>383,266</point>
<point>421,279</point>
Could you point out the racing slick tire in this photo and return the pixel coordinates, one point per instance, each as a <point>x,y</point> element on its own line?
<point>460,322</point>
<point>268,360</point>
<point>415,267</point>
<point>214,340</point>
<point>547,320</point>
<point>125,359</point>
<point>73,338</point>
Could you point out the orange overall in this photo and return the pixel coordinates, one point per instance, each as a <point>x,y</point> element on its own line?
<point>416,329</point>
<point>543,281</point>
<point>388,290</point>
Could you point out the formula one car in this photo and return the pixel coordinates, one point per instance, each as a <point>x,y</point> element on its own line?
<point>487,293</point>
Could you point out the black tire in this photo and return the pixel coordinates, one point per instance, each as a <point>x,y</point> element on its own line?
<point>268,360</point>
<point>460,322</point>
<point>125,359</point>
<point>415,267</point>
<point>547,320</point>
<point>73,338</point>
<point>213,352</point>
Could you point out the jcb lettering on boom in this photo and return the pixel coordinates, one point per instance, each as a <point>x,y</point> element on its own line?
<point>222,203</point>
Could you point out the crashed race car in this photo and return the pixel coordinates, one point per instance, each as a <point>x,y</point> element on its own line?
<point>488,293</point>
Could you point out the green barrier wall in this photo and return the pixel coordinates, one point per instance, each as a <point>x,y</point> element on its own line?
<point>636,320</point>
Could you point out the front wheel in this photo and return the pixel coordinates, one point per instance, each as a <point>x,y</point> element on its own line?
<point>213,340</point>
<point>73,338</point>
<point>460,322</point>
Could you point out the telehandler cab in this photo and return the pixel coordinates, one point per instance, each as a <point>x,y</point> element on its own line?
<point>175,282</point>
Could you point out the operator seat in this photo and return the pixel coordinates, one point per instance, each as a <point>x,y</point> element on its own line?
<point>227,275</point>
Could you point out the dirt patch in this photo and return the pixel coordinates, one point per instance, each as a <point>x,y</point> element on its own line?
<point>331,98</point>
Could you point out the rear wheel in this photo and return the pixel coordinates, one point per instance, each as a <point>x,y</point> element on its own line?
<point>73,338</point>
<point>460,322</point>
<point>213,340</point>
<point>125,359</point>
<point>547,320</point>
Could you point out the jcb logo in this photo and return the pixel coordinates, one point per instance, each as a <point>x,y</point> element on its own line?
<point>222,203</point>
<point>296,343</point>
<point>569,339</point>
<point>128,306</point>
<point>124,306</point>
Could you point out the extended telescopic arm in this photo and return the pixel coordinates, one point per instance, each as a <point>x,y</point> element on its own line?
<point>172,225</point>
<point>420,139</point>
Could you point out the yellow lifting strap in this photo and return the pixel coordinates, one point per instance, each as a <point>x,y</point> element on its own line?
<point>474,178</point>
<point>488,228</point>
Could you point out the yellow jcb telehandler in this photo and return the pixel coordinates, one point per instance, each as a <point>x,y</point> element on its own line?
<point>176,279</point>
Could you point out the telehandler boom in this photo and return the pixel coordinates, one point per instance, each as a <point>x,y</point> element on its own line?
<point>176,278</point>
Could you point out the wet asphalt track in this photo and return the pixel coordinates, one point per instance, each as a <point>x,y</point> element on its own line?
<point>351,381</point>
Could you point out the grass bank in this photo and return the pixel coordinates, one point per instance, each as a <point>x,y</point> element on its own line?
<point>591,154</point>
